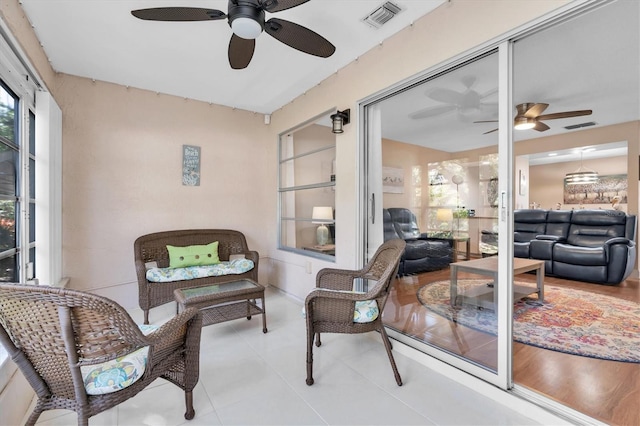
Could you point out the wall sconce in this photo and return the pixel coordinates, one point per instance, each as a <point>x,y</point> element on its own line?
<point>339,119</point>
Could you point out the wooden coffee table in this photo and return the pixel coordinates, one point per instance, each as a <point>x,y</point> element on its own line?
<point>225,301</point>
<point>486,296</point>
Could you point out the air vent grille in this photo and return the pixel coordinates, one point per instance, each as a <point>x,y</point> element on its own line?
<point>578,126</point>
<point>382,14</point>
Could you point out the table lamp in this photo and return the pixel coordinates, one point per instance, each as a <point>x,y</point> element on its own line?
<point>445,215</point>
<point>322,215</point>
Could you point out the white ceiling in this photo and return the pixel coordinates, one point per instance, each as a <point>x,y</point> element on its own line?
<point>588,62</point>
<point>101,40</point>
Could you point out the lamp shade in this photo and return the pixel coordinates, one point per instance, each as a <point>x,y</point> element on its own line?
<point>246,28</point>
<point>444,215</point>
<point>322,215</point>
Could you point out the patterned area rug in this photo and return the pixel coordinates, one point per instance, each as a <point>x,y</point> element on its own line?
<point>571,321</point>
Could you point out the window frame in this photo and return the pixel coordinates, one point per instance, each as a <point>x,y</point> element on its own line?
<point>285,188</point>
<point>18,80</point>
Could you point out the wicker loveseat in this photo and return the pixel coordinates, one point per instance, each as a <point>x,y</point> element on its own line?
<point>151,250</point>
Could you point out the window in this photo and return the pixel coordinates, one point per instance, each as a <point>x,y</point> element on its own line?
<point>17,177</point>
<point>9,170</point>
<point>306,188</point>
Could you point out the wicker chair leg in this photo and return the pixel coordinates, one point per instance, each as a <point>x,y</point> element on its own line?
<point>387,346</point>
<point>318,342</point>
<point>190,413</point>
<point>35,415</point>
<point>310,335</point>
<point>83,420</point>
<point>146,316</point>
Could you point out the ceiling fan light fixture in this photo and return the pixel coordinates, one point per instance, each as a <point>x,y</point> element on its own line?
<point>524,123</point>
<point>246,28</point>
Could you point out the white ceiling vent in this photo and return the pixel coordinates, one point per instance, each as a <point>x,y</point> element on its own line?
<point>382,14</point>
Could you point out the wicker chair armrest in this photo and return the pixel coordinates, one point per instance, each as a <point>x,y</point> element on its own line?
<point>141,271</point>
<point>174,328</point>
<point>337,279</point>
<point>336,294</point>
<point>253,256</point>
<point>337,305</point>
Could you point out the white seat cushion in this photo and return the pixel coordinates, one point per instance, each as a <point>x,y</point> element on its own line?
<point>233,267</point>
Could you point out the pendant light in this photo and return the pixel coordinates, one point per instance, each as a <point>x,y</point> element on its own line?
<point>582,176</point>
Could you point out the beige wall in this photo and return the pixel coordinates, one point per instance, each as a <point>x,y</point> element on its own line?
<point>122,176</point>
<point>547,181</point>
<point>629,132</point>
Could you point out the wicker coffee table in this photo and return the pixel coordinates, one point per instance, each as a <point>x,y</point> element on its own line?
<point>225,302</point>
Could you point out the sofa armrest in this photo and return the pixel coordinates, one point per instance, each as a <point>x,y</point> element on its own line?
<point>619,240</point>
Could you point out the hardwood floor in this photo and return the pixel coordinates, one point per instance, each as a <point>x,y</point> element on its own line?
<point>606,390</point>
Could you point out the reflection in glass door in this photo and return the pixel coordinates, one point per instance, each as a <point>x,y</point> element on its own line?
<point>434,180</point>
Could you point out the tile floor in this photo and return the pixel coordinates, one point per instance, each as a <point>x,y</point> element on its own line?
<point>251,378</point>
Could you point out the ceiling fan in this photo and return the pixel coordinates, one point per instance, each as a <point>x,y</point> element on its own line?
<point>530,117</point>
<point>246,19</point>
<point>465,103</point>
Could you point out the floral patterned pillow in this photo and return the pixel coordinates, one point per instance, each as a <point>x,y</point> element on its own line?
<point>119,373</point>
<point>365,311</point>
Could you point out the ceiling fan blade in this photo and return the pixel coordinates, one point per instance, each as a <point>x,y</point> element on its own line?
<point>566,114</point>
<point>278,5</point>
<point>490,131</point>
<point>178,14</point>
<point>535,110</point>
<point>540,126</point>
<point>446,96</point>
<point>240,52</point>
<point>299,37</point>
<point>431,111</point>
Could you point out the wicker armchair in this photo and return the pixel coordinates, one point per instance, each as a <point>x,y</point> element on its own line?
<point>50,333</point>
<point>330,307</point>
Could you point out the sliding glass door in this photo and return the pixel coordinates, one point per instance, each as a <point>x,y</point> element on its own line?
<point>449,155</point>
<point>435,179</point>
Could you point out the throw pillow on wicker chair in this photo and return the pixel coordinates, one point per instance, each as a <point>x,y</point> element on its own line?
<point>119,373</point>
<point>364,311</point>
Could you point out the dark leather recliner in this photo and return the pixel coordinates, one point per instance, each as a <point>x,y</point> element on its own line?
<point>421,254</point>
<point>585,245</point>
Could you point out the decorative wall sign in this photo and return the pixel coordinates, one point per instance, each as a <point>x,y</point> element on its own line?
<point>393,180</point>
<point>601,192</point>
<point>190,165</point>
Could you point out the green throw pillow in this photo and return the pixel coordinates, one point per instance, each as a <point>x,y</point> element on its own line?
<point>181,257</point>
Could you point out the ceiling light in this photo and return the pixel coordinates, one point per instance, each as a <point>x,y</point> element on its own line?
<point>581,176</point>
<point>246,28</point>
<point>524,123</point>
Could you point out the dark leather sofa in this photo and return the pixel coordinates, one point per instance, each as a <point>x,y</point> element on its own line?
<point>421,254</point>
<point>585,245</point>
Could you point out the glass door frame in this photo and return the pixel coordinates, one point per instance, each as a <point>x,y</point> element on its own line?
<point>371,208</point>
